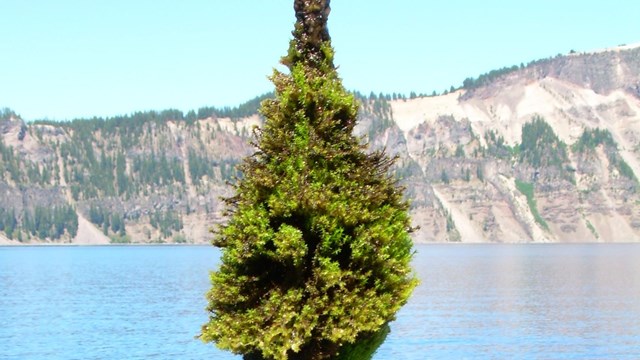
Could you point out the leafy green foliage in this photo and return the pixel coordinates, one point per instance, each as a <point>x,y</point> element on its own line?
<point>199,166</point>
<point>247,109</point>
<point>366,348</point>
<point>18,169</point>
<point>592,138</point>
<point>496,146</point>
<point>541,148</point>
<point>444,177</point>
<point>625,170</point>
<point>167,222</point>
<point>480,173</point>
<point>494,75</point>
<point>451,225</point>
<point>7,114</point>
<point>120,161</point>
<point>42,222</point>
<point>107,220</point>
<point>316,251</point>
<point>378,110</point>
<point>119,239</point>
<point>593,230</point>
<point>540,145</point>
<point>8,222</point>
<point>180,239</point>
<point>527,190</point>
<point>487,78</point>
<point>153,170</point>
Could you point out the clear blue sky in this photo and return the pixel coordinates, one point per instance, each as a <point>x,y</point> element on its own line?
<point>77,58</point>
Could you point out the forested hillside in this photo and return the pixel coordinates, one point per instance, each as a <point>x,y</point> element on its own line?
<point>144,175</point>
<point>548,151</point>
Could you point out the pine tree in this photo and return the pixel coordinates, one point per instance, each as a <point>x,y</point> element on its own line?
<point>316,251</point>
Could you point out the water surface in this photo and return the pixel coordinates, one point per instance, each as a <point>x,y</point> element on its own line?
<point>573,301</point>
<point>474,301</point>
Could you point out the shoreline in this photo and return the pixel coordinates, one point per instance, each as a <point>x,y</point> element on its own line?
<point>18,244</point>
<point>93,245</point>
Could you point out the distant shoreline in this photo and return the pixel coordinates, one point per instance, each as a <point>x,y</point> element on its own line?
<point>7,245</point>
<point>93,245</point>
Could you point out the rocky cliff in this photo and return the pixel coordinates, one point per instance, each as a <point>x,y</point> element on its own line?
<point>547,152</point>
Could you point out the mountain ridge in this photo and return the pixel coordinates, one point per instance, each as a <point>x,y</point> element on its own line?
<point>471,171</point>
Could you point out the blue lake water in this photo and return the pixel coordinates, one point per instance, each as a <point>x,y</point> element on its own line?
<point>474,301</point>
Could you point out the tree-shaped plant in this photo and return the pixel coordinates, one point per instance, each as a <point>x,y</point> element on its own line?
<point>316,251</point>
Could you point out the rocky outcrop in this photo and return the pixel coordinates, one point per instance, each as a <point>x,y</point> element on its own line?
<point>469,146</point>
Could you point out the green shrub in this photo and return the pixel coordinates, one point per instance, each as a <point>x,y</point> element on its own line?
<point>527,190</point>
<point>316,252</point>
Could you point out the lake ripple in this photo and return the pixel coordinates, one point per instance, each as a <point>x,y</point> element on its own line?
<point>573,301</point>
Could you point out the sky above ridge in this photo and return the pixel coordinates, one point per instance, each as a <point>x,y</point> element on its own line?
<point>66,59</point>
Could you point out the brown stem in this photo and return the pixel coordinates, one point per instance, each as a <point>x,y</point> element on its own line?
<point>311,30</point>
